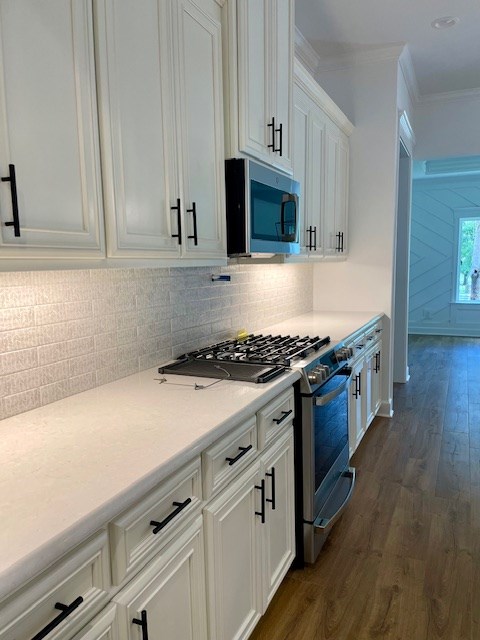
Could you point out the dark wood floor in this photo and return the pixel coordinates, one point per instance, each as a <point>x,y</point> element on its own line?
<point>403,563</point>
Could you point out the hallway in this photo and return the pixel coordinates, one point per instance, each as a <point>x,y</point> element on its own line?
<point>403,563</point>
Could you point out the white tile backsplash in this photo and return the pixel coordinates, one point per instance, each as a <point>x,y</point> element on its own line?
<point>62,332</point>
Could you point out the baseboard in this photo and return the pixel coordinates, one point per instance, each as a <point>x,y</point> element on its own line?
<point>461,332</point>
<point>386,409</point>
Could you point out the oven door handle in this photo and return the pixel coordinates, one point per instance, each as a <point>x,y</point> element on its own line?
<point>320,401</point>
<point>321,524</point>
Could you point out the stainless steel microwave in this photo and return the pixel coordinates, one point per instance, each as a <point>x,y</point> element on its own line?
<point>262,209</point>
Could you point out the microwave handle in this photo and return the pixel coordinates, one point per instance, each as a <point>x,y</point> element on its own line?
<point>288,197</point>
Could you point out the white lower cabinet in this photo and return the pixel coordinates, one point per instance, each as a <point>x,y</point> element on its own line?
<point>250,541</point>
<point>365,389</point>
<point>167,599</point>
<point>162,569</point>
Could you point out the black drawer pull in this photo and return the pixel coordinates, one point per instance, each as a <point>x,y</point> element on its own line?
<point>243,451</point>
<point>178,209</point>
<point>285,415</point>
<point>180,506</point>
<point>309,231</point>
<point>280,148</point>
<point>66,610</point>
<point>272,476</point>
<point>315,238</point>
<point>15,223</point>
<point>261,488</point>
<point>142,623</point>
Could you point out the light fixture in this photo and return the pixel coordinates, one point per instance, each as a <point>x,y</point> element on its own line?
<point>445,22</point>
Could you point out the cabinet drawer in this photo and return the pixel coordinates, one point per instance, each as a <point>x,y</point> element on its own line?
<point>133,536</point>
<point>103,627</point>
<point>63,599</point>
<point>223,460</point>
<point>274,416</point>
<point>373,333</point>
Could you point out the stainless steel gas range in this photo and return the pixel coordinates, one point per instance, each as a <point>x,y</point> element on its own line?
<point>324,480</point>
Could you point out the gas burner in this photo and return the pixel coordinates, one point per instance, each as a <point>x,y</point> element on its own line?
<point>260,349</point>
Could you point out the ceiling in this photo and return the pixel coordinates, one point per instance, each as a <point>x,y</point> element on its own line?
<point>444,60</point>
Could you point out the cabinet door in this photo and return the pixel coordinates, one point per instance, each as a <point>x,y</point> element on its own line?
<point>336,193</point>
<point>301,162</point>
<point>315,183</point>
<point>168,597</point>
<point>356,424</point>
<point>279,547</point>
<point>281,21</point>
<point>376,379</point>
<point>199,108</point>
<point>48,130</point>
<point>369,373</point>
<point>234,559</point>
<point>255,108</point>
<point>137,127</point>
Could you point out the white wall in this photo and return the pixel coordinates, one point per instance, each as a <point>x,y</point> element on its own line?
<point>447,126</point>
<point>367,94</point>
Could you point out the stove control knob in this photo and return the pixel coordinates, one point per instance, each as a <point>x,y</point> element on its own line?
<point>316,376</point>
<point>326,369</point>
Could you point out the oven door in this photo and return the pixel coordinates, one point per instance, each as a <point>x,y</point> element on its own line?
<point>328,479</point>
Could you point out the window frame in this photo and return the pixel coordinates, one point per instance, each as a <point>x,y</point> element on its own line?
<point>465,213</point>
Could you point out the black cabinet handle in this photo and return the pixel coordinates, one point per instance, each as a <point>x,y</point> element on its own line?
<point>338,246</point>
<point>315,238</point>
<point>284,416</point>
<point>180,506</point>
<point>377,362</point>
<point>356,391</point>
<point>15,223</point>
<point>178,209</point>
<point>341,241</point>
<point>243,451</point>
<point>359,384</point>
<point>272,125</point>
<point>193,211</point>
<point>66,610</point>
<point>279,149</point>
<point>142,623</point>
<point>261,488</point>
<point>271,475</point>
<point>309,231</point>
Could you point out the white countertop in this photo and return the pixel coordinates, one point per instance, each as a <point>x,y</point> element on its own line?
<point>71,466</point>
<point>337,325</point>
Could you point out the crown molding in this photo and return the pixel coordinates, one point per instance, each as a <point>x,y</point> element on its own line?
<point>449,96</point>
<point>356,58</point>
<point>305,52</point>
<point>408,71</point>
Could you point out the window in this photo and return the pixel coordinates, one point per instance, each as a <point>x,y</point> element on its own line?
<point>468,259</point>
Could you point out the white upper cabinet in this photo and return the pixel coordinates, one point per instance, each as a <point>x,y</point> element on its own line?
<point>336,196</point>
<point>48,131</point>
<point>259,50</point>
<point>320,164</point>
<point>160,88</point>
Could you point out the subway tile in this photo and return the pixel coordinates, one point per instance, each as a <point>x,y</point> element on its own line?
<point>12,297</point>
<point>82,383</point>
<point>81,364</point>
<point>20,402</point>
<point>105,341</point>
<point>51,353</point>
<point>16,278</point>
<point>14,383</point>
<point>14,361</point>
<point>18,339</point>
<point>54,372</point>
<point>55,391</point>
<point>17,318</point>
<point>79,346</point>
